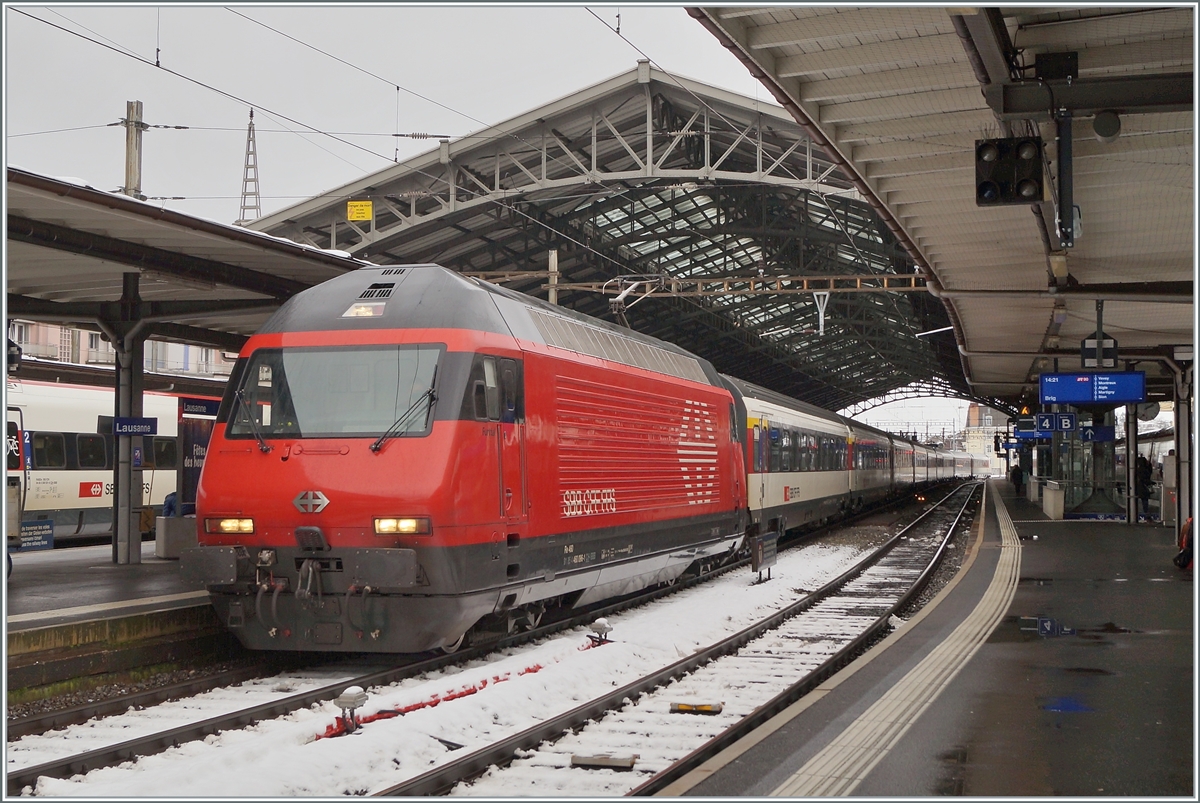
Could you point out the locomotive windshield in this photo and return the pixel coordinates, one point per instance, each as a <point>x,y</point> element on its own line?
<point>351,391</point>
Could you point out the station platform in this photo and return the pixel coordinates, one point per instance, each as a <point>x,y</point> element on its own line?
<point>75,620</point>
<point>1060,661</point>
<point>58,586</point>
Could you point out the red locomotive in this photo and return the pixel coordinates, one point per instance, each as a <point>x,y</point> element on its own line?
<point>404,454</point>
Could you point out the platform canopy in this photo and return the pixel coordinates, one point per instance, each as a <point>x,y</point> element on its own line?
<point>70,248</point>
<point>721,205</point>
<point>901,94</point>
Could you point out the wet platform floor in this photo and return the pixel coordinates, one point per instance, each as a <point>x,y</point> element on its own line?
<point>1085,688</point>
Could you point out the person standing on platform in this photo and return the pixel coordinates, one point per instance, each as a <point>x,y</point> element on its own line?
<point>1018,478</point>
<point>1142,481</point>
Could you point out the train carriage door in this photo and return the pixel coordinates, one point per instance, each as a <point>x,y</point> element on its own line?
<point>14,487</point>
<point>512,441</point>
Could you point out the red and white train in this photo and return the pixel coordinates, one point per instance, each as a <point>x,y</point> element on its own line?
<point>404,454</point>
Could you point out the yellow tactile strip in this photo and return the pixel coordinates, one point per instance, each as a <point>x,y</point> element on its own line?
<point>846,761</point>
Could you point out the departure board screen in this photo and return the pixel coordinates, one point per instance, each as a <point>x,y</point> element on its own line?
<point>1124,387</point>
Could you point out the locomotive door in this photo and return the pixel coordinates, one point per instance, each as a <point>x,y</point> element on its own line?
<point>512,442</point>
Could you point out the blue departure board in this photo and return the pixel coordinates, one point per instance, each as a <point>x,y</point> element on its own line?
<point>1124,387</point>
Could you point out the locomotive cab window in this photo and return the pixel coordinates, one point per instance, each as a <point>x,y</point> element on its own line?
<point>483,399</point>
<point>350,391</point>
<point>512,407</point>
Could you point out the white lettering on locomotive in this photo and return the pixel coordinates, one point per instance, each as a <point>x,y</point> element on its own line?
<point>589,502</point>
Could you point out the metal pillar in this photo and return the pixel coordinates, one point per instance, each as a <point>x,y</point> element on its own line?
<point>1183,447</point>
<point>129,344</point>
<point>1131,452</point>
<point>553,268</point>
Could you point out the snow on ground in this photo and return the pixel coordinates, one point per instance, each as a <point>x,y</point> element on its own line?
<point>471,705</point>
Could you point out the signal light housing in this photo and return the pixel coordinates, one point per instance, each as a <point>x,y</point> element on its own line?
<point>1008,171</point>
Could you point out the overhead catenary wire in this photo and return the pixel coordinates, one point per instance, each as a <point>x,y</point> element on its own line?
<point>211,88</point>
<point>398,87</point>
<point>58,130</point>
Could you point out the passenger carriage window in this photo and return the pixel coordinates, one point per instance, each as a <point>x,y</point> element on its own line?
<point>785,450</point>
<point>49,450</point>
<point>774,464</point>
<point>90,450</point>
<point>756,455</point>
<point>164,453</point>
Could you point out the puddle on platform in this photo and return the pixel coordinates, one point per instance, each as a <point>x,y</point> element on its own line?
<point>1065,705</point>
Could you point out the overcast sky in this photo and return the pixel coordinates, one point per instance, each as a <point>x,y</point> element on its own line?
<point>486,64</point>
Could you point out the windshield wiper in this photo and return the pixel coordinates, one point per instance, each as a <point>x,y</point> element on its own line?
<point>263,446</point>
<point>395,427</point>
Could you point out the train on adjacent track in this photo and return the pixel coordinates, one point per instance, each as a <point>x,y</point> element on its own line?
<point>404,455</point>
<point>60,455</point>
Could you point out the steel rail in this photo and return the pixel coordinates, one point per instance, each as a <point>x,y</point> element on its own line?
<point>36,724</point>
<point>152,744</point>
<point>441,779</point>
<point>788,696</point>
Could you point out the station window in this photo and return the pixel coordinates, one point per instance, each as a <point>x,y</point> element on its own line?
<point>164,453</point>
<point>49,450</point>
<point>90,451</point>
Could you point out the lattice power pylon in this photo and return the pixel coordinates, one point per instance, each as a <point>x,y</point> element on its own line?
<point>251,203</point>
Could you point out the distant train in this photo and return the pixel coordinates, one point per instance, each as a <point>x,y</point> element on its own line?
<point>60,456</point>
<point>404,455</point>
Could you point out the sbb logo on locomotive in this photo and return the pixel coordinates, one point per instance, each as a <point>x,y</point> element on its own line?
<point>589,502</point>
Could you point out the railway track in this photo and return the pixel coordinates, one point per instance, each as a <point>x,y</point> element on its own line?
<point>67,766</point>
<point>764,668</point>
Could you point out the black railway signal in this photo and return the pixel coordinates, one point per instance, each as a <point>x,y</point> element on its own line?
<point>1008,171</point>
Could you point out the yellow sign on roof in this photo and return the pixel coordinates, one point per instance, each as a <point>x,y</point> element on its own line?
<point>360,210</point>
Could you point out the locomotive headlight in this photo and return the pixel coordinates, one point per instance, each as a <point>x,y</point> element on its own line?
<point>402,527</point>
<point>229,525</point>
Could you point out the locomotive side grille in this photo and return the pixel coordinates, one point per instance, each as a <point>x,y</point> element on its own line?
<point>601,426</point>
<point>572,335</point>
<point>392,272</point>
<point>379,290</point>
